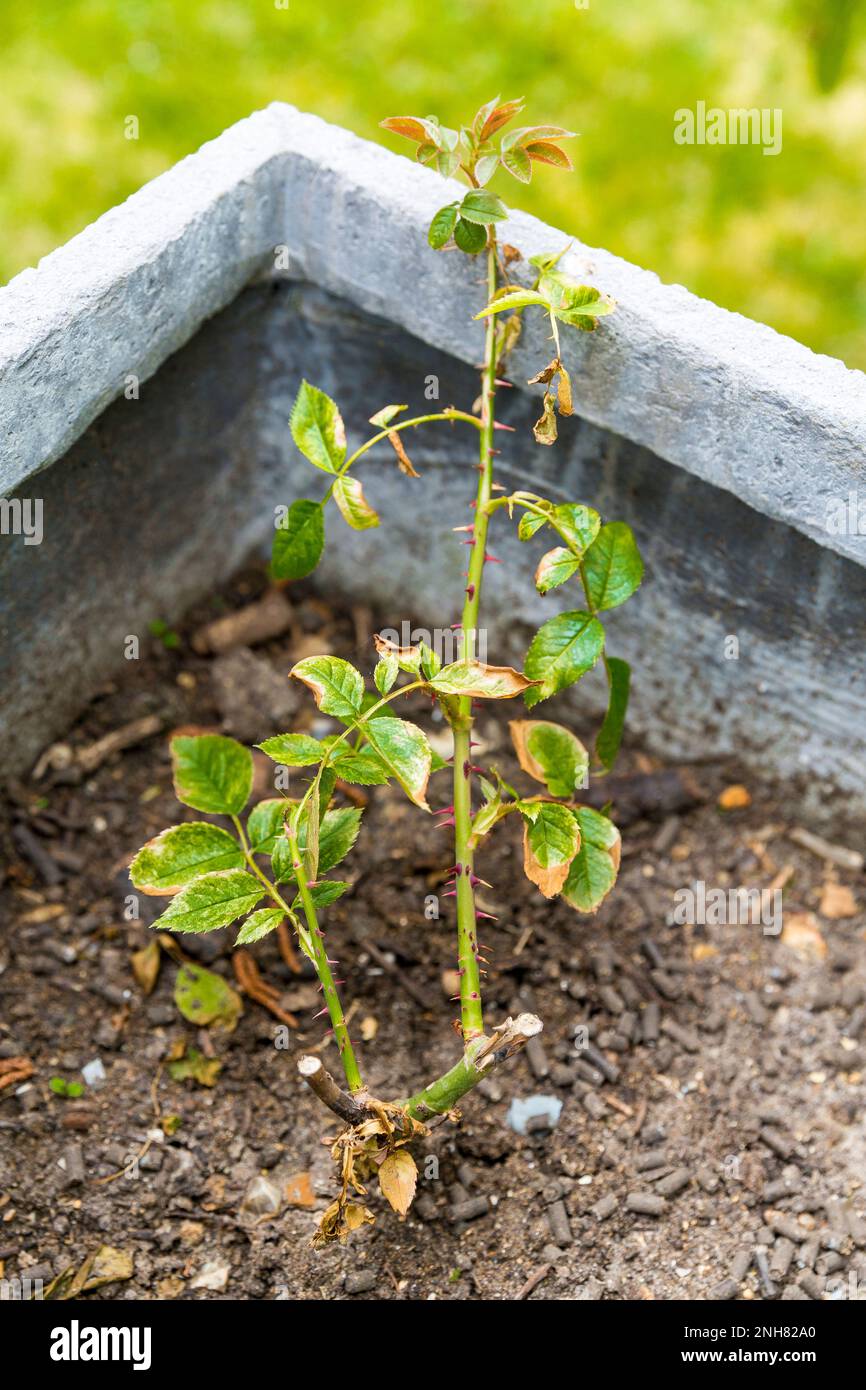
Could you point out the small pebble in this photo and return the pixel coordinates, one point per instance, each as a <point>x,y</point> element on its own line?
<point>674,1183</point>
<point>605,1207</point>
<point>645,1203</point>
<point>360,1281</point>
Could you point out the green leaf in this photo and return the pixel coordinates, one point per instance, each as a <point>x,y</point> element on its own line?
<point>515,299</point>
<point>317,428</point>
<point>612,565</point>
<point>336,685</point>
<point>181,854</point>
<point>212,901</point>
<point>486,167</point>
<point>594,868</point>
<point>281,861</point>
<point>294,750</point>
<point>561,651</point>
<point>529,134</point>
<point>430,662</point>
<point>361,768</point>
<point>486,817</point>
<point>298,541</point>
<point>203,997</point>
<point>483,207</point>
<point>480,681</point>
<point>551,754</point>
<point>529,523</point>
<point>212,773</point>
<point>324,893</point>
<point>383,417</point>
<point>580,305</point>
<point>265,823</point>
<point>385,672</point>
<point>470,237</point>
<point>577,524</point>
<point>404,750</point>
<point>555,568</point>
<point>550,841</point>
<point>353,505</point>
<point>266,920</point>
<point>337,834</point>
<point>442,226</point>
<point>194,1066</point>
<point>518,163</point>
<point>610,734</point>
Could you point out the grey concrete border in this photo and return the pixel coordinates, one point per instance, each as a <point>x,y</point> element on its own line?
<point>724,398</point>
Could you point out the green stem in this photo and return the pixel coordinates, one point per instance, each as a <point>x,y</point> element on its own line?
<point>471,1011</point>
<point>443,1094</point>
<point>323,970</point>
<point>449,414</point>
<point>312,943</point>
<point>275,896</point>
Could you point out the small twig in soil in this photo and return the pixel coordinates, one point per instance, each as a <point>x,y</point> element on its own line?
<point>94,755</point>
<point>533,1282</point>
<point>13,1070</point>
<point>287,949</point>
<point>249,978</point>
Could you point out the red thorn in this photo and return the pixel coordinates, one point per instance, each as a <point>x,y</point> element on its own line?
<point>319,1014</point>
<point>470,590</point>
<point>488,915</point>
<point>498,425</point>
<point>492,560</point>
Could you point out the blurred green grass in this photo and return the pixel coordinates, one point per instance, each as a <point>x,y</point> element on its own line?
<point>780,239</point>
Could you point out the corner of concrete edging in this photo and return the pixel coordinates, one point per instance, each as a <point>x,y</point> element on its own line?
<point>722,397</point>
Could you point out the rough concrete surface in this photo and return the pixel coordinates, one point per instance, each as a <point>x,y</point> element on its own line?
<point>722,397</point>
<point>161,497</point>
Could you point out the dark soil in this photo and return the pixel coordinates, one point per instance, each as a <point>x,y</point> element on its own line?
<point>744,1114</point>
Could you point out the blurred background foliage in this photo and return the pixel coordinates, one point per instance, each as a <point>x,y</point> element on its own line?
<point>780,239</point>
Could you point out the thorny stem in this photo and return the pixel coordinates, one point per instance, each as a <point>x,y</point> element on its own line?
<point>471,1011</point>
<point>323,969</point>
<point>313,944</point>
<point>275,896</point>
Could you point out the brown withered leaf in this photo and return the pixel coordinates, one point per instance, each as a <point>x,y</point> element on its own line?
<point>510,253</point>
<point>544,429</point>
<point>546,374</point>
<point>385,647</point>
<point>480,681</point>
<point>566,405</point>
<point>145,966</point>
<point>403,460</point>
<point>549,880</point>
<point>398,1178</point>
